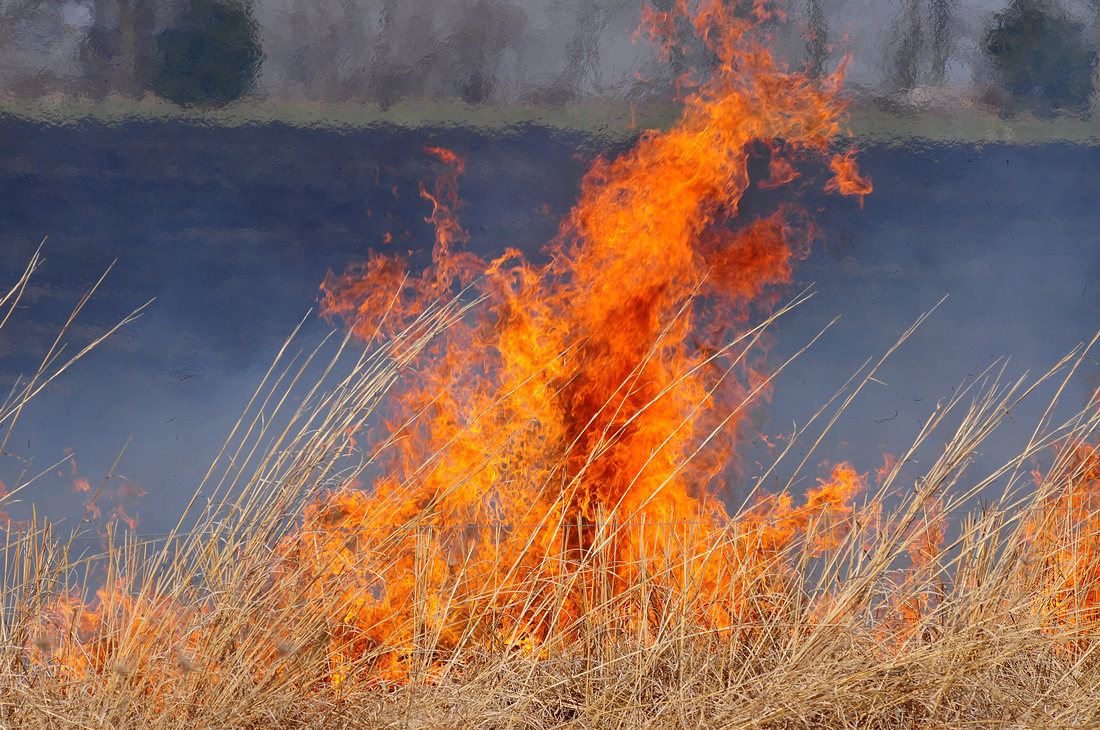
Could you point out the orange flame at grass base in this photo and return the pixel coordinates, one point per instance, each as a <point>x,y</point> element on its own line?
<point>1065,532</point>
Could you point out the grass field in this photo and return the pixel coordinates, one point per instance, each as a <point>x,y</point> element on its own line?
<point>273,605</point>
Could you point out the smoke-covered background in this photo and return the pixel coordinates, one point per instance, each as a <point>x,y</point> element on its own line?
<point>1036,52</point>
<point>111,145</point>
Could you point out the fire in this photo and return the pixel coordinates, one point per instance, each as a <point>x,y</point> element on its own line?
<point>556,457</point>
<point>595,401</point>
<point>1064,531</point>
<point>549,488</point>
<point>115,497</point>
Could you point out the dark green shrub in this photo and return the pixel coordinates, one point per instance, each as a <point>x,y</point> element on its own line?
<point>1041,56</point>
<point>211,58</point>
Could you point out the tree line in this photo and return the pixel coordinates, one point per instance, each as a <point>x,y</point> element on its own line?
<point>1034,54</point>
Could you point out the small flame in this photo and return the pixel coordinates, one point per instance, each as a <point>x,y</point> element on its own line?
<point>1065,534</point>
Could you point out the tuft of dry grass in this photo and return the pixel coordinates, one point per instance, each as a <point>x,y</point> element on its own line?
<point>856,619</point>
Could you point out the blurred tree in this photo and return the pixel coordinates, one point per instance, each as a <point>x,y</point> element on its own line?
<point>910,41</point>
<point>1094,104</point>
<point>211,58</point>
<point>136,19</point>
<point>924,28</point>
<point>817,39</point>
<point>464,62</point>
<point>1041,56</point>
<point>119,51</point>
<point>583,51</point>
<point>941,39</point>
<point>40,45</point>
<point>387,84</point>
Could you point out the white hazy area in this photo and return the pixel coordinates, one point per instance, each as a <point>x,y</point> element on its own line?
<point>495,51</point>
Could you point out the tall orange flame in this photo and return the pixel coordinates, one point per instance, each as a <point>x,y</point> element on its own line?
<point>595,390</point>
<point>566,441</point>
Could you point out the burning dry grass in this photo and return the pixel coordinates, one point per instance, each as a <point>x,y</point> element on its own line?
<point>816,612</point>
<point>539,542</point>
